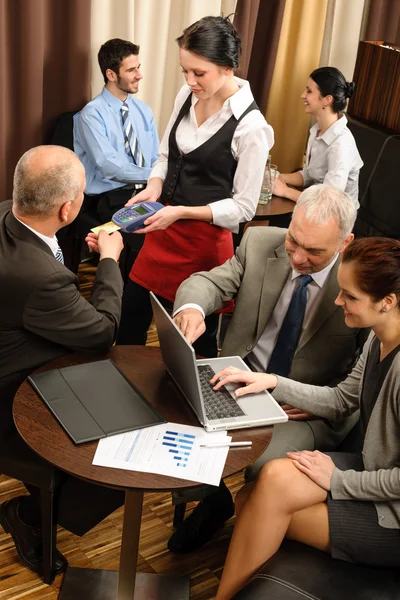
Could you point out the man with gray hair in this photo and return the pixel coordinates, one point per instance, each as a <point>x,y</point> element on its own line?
<point>43,316</point>
<point>271,267</point>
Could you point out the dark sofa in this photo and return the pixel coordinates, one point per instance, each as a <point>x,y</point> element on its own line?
<point>379,190</point>
<point>298,572</point>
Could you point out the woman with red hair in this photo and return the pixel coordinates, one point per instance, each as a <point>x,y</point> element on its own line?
<point>344,504</point>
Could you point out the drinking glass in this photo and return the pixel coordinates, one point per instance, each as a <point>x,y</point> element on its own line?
<point>267,188</point>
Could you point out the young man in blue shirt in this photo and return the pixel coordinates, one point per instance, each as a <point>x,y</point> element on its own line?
<point>115,135</point>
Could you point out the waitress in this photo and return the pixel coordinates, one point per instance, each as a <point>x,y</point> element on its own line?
<point>332,156</point>
<point>208,174</point>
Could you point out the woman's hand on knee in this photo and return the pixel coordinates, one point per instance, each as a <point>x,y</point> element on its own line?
<point>317,466</point>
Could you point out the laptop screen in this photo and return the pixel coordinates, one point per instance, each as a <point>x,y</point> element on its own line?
<point>179,358</point>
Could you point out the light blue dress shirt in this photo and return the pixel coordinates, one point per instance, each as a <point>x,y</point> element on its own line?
<point>100,145</point>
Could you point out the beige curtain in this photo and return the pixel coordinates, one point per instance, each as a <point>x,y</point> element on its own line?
<point>154,25</point>
<point>342,34</point>
<point>299,53</point>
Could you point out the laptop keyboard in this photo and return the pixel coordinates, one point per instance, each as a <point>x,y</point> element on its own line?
<point>219,404</point>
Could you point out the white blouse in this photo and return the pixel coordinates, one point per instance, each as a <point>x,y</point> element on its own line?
<point>251,143</point>
<point>333,159</point>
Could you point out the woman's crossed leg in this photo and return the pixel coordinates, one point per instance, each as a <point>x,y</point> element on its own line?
<point>283,502</point>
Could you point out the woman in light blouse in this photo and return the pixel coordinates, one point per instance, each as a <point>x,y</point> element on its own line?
<point>345,504</point>
<point>209,174</point>
<point>332,156</point>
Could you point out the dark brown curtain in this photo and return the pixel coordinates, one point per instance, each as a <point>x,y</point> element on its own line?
<point>45,67</point>
<point>259,23</point>
<point>383,21</point>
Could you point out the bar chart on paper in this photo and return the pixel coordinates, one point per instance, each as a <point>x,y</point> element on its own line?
<point>171,449</point>
<point>179,446</point>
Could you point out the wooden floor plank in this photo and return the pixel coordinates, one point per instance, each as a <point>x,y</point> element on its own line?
<point>99,549</point>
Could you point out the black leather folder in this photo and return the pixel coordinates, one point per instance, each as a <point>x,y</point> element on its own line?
<point>94,400</point>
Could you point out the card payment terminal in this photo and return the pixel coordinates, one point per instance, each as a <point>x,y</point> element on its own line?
<point>132,217</point>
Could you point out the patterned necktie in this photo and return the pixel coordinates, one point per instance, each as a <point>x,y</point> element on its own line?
<point>59,255</point>
<point>131,141</point>
<point>290,331</point>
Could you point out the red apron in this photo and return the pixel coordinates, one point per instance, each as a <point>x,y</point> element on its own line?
<point>170,256</point>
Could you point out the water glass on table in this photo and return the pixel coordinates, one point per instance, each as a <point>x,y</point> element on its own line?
<point>267,188</point>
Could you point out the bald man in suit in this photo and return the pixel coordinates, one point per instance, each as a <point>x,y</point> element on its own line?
<point>262,278</point>
<point>43,316</point>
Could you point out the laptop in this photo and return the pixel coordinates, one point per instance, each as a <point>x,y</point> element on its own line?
<point>216,410</point>
<point>94,400</point>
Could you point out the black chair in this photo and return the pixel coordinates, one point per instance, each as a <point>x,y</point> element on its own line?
<point>378,214</point>
<point>298,572</point>
<point>71,238</point>
<point>20,462</point>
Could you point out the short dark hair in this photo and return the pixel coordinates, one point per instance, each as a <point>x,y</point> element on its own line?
<point>215,39</point>
<point>376,264</point>
<point>112,53</point>
<point>331,82</point>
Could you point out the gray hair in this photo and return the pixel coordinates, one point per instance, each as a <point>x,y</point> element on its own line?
<point>40,189</point>
<point>322,203</point>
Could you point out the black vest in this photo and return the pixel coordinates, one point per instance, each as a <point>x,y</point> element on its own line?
<point>206,174</point>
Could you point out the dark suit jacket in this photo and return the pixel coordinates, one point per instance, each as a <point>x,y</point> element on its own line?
<point>255,276</point>
<point>42,314</point>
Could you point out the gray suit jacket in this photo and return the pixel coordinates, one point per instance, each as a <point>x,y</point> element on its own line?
<point>42,314</point>
<point>255,277</point>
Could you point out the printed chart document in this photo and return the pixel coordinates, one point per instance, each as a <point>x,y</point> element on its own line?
<point>167,449</point>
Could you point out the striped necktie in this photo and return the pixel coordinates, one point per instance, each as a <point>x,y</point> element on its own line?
<point>131,140</point>
<point>289,334</point>
<point>59,255</point>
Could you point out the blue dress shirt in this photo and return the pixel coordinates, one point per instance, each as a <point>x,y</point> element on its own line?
<point>99,142</point>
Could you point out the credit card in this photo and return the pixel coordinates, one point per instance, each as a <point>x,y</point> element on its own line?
<point>109,227</point>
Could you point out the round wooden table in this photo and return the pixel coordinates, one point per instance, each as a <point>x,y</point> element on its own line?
<point>276,213</point>
<point>277,206</point>
<point>42,432</point>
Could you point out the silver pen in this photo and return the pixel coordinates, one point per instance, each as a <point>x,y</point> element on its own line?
<point>222,444</point>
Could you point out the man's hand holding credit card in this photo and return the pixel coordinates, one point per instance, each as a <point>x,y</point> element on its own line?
<point>109,227</point>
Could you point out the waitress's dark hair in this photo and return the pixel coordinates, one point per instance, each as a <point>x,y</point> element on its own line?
<point>215,39</point>
<point>331,82</point>
<point>376,264</point>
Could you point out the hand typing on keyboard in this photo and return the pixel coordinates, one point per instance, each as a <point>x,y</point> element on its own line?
<point>254,382</point>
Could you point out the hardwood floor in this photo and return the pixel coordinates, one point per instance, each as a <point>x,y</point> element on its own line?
<point>100,547</point>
